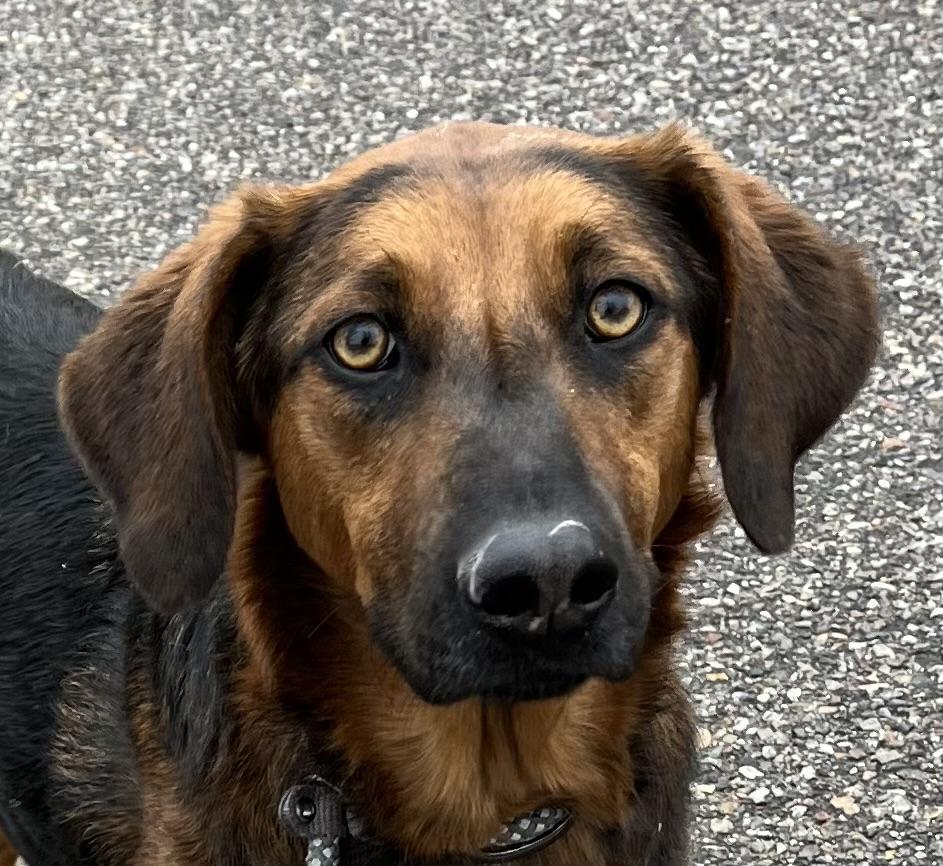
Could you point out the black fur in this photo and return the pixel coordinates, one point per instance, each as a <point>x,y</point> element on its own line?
<point>54,594</point>
<point>188,659</point>
<point>71,630</point>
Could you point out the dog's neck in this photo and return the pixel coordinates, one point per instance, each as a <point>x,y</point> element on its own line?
<point>435,778</point>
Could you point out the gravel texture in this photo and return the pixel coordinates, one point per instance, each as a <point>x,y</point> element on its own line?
<point>817,676</point>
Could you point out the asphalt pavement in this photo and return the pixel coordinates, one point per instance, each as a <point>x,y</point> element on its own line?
<point>818,676</point>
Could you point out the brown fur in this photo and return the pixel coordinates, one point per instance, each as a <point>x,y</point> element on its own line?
<point>7,854</point>
<point>176,411</point>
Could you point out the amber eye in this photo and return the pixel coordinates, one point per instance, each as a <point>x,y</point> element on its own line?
<point>615,310</point>
<point>361,343</point>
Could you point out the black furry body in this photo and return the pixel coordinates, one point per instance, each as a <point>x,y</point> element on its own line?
<point>50,542</point>
<point>72,631</point>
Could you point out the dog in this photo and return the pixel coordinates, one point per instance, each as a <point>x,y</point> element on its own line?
<point>385,484</point>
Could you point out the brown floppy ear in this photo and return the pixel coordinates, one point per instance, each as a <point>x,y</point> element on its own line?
<point>151,403</point>
<point>797,326</point>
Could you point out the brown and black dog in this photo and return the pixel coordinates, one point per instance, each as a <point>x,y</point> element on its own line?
<point>397,474</point>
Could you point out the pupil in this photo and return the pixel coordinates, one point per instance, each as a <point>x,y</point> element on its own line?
<point>362,338</point>
<point>613,306</point>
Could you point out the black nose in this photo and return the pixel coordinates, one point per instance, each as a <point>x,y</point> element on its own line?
<point>540,578</point>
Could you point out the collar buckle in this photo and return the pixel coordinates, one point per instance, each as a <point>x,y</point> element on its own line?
<point>314,811</point>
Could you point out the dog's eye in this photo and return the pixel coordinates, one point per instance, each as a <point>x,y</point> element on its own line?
<point>615,311</point>
<point>361,343</point>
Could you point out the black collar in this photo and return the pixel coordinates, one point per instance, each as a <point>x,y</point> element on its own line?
<point>316,812</point>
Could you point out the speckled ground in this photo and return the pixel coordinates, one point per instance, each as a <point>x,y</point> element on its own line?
<point>817,676</point>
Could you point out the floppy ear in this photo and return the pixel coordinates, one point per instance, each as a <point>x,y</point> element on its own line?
<point>797,326</point>
<point>151,402</point>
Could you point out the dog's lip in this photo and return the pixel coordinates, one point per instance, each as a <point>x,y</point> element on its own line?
<point>445,660</point>
<point>536,678</point>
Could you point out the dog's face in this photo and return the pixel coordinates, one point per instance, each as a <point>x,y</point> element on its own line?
<point>490,415</point>
<point>474,363</point>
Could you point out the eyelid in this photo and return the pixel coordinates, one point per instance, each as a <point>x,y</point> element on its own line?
<point>372,292</point>
<point>319,333</point>
<point>633,283</point>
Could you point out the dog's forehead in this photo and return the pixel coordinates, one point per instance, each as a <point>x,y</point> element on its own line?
<point>476,214</point>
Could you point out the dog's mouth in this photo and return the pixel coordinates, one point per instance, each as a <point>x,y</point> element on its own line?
<point>450,661</point>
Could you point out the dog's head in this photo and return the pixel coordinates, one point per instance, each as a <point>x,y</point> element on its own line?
<point>473,362</point>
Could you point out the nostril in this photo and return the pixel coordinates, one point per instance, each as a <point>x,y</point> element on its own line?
<point>592,582</point>
<point>513,595</point>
